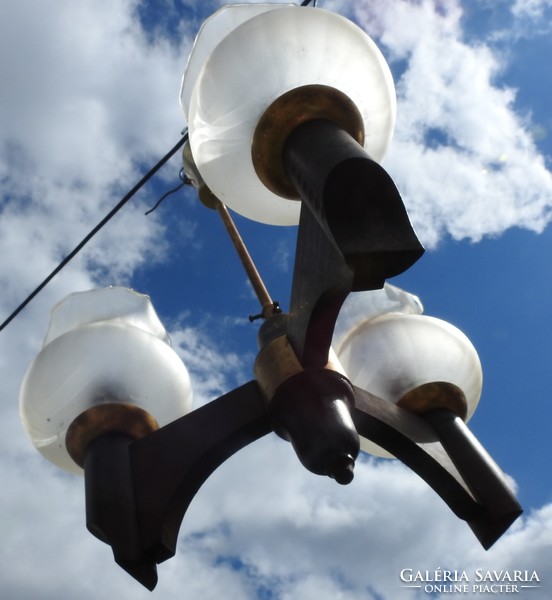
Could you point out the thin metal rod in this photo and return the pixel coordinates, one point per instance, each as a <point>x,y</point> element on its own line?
<point>266,302</point>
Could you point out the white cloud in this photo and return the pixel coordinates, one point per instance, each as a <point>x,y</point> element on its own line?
<point>78,116</point>
<point>212,371</point>
<point>530,8</point>
<point>463,158</point>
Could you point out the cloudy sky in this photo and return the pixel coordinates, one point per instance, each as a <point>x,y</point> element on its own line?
<point>89,100</point>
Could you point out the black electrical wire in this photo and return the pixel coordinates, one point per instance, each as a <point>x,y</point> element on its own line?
<point>307,2</point>
<point>185,181</point>
<point>112,213</point>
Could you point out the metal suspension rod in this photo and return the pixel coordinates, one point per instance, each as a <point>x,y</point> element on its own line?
<point>269,307</point>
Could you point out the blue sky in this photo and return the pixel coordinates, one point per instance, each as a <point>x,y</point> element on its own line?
<point>89,102</point>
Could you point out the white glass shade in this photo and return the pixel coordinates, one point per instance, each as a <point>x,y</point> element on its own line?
<point>394,353</point>
<point>228,86</point>
<point>102,346</point>
<point>211,33</point>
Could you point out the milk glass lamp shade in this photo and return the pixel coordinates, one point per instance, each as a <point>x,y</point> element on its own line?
<point>394,354</point>
<point>211,33</point>
<point>103,347</point>
<point>263,52</point>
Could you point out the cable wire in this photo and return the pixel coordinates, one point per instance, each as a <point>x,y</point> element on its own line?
<point>165,195</point>
<point>185,181</point>
<point>99,226</point>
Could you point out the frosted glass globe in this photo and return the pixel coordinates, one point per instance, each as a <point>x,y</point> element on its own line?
<point>210,34</point>
<point>228,86</point>
<point>102,346</point>
<point>394,354</point>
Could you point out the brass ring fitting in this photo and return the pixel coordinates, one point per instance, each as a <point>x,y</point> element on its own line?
<point>110,417</point>
<point>277,362</point>
<point>284,115</point>
<point>433,396</point>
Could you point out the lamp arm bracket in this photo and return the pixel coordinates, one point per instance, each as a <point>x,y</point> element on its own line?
<point>322,281</point>
<point>447,457</point>
<point>355,201</point>
<point>171,464</point>
<point>354,231</point>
